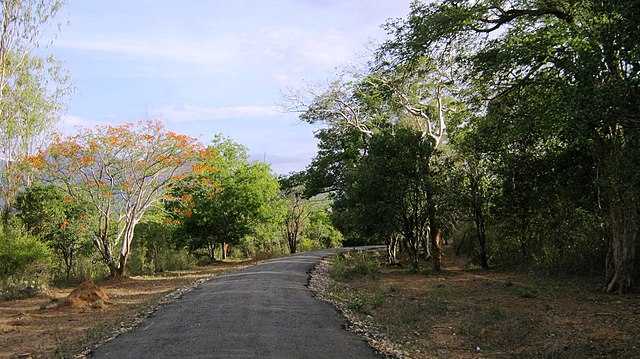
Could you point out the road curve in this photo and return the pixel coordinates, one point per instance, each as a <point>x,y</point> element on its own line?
<point>264,311</point>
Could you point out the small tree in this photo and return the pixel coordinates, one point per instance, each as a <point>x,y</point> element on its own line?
<point>226,200</point>
<point>122,171</point>
<point>295,220</point>
<point>321,229</point>
<point>389,192</point>
<point>51,216</point>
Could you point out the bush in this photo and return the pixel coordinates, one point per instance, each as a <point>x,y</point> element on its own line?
<point>87,265</point>
<point>24,264</point>
<point>355,265</point>
<point>14,290</point>
<point>307,245</point>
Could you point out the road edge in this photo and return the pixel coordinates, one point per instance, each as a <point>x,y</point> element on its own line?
<point>319,281</point>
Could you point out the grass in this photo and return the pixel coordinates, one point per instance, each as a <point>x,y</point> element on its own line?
<point>350,265</point>
<point>69,331</point>
<point>464,311</point>
<point>525,292</point>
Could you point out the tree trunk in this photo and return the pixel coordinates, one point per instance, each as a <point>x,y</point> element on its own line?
<point>68,263</point>
<point>478,200</point>
<point>414,251</point>
<point>392,249</point>
<point>424,240</point>
<point>482,239</point>
<point>103,245</point>
<point>212,252</point>
<point>624,227</point>
<point>434,234</point>
<point>225,247</point>
<point>121,270</point>
<point>293,241</point>
<point>436,246</point>
<point>125,251</point>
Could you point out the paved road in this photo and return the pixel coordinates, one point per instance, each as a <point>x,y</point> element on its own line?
<point>265,311</point>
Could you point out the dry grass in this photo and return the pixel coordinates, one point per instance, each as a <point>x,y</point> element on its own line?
<point>41,327</point>
<point>462,313</point>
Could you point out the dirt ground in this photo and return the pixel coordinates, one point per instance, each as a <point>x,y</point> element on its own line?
<point>49,326</point>
<point>464,313</point>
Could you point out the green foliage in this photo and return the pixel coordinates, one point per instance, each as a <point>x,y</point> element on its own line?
<point>388,191</point>
<point>63,223</point>
<point>226,203</point>
<point>296,217</point>
<point>32,92</point>
<point>365,303</point>
<point>156,248</point>
<point>321,230</point>
<point>24,264</point>
<point>524,292</point>
<point>348,265</point>
<point>267,240</point>
<point>549,143</point>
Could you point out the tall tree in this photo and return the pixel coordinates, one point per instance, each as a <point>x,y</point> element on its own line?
<point>567,67</point>
<point>122,171</point>
<point>388,194</point>
<point>366,104</point>
<point>32,90</point>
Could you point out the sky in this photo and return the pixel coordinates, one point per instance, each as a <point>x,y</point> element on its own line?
<point>212,66</point>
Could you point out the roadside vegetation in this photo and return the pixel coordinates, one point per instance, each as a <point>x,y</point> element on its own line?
<point>507,129</point>
<point>464,311</point>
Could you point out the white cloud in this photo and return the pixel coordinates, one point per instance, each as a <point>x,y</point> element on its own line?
<point>187,113</point>
<point>70,123</point>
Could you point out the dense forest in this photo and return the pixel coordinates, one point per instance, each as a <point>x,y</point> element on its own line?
<point>508,129</point>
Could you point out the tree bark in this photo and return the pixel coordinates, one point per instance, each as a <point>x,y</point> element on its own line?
<point>212,252</point>
<point>392,249</point>
<point>121,270</point>
<point>624,228</point>
<point>434,234</point>
<point>436,245</point>
<point>482,239</point>
<point>225,247</point>
<point>424,240</point>
<point>478,200</point>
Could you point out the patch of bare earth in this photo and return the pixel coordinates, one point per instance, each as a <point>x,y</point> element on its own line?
<point>461,313</point>
<point>60,324</point>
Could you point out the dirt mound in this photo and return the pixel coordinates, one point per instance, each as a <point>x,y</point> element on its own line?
<point>87,294</point>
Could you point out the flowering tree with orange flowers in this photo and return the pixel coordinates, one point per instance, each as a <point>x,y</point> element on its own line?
<point>122,171</point>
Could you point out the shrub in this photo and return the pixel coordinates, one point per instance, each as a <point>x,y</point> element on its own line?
<point>355,265</point>
<point>24,264</point>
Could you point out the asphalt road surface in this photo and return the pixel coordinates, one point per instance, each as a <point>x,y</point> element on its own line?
<point>264,311</point>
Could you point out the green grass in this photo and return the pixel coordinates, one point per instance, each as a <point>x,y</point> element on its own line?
<point>351,265</point>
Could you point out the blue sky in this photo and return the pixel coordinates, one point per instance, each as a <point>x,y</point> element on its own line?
<point>212,66</point>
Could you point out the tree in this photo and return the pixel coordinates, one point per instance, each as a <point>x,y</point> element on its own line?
<point>373,101</point>
<point>122,171</point>
<point>388,193</point>
<point>565,70</point>
<point>54,218</point>
<point>226,201</point>
<point>157,248</point>
<point>321,230</point>
<point>295,220</point>
<point>32,90</point>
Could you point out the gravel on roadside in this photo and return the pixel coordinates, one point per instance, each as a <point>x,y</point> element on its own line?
<point>320,281</point>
